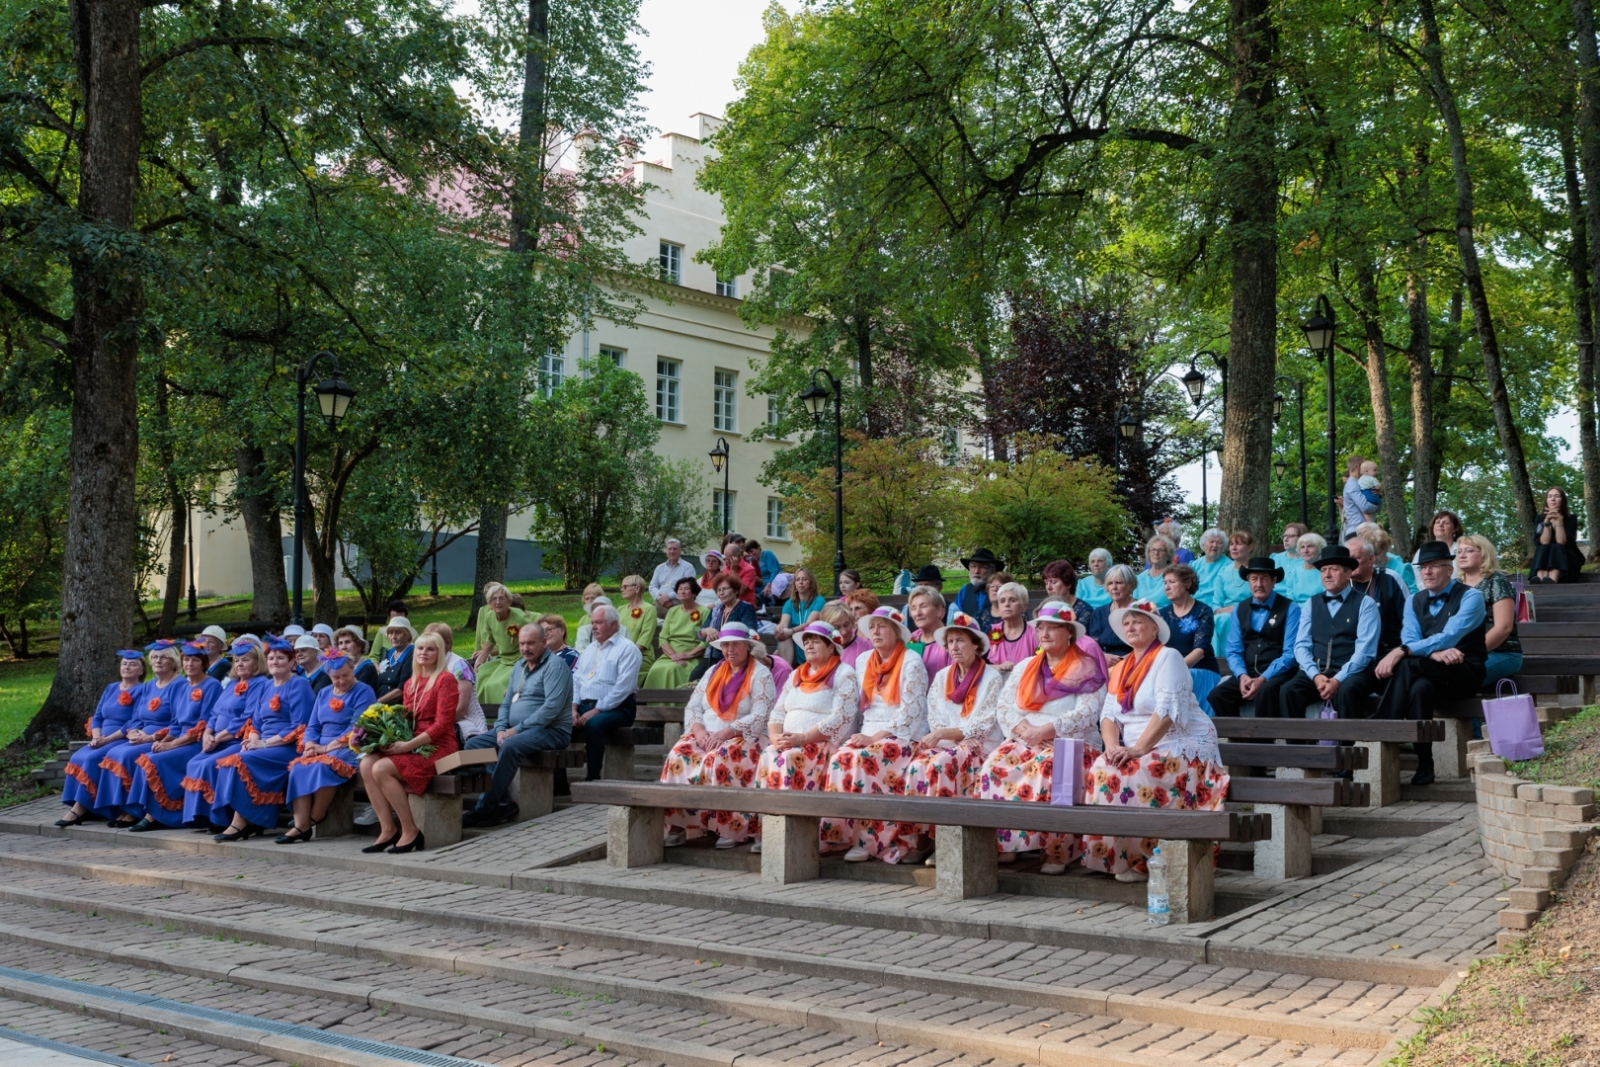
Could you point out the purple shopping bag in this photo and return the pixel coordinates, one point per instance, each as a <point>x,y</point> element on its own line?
<point>1328,712</point>
<point>1066,776</point>
<point>1512,724</point>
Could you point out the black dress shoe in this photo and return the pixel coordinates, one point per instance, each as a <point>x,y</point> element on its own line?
<point>1423,777</point>
<point>474,817</point>
<point>381,846</point>
<point>71,821</point>
<point>144,826</point>
<point>416,845</point>
<point>503,814</point>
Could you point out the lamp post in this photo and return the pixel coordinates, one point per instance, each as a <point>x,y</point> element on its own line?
<point>719,463</point>
<point>1205,521</point>
<point>815,399</point>
<point>1127,430</point>
<point>333,399</point>
<point>194,598</point>
<point>1277,413</point>
<point>1319,337</point>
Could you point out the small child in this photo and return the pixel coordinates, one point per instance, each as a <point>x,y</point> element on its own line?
<point>1371,488</point>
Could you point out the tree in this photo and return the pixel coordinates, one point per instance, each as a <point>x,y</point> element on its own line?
<point>672,500</point>
<point>33,521</point>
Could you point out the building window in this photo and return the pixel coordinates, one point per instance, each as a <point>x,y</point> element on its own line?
<point>774,411</point>
<point>777,526</point>
<point>727,287</point>
<point>723,506</point>
<point>552,368</point>
<point>667,384</point>
<point>617,356</point>
<point>724,401</point>
<point>671,263</point>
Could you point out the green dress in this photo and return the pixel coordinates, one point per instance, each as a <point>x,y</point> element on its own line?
<point>502,634</point>
<point>640,625</point>
<point>681,633</point>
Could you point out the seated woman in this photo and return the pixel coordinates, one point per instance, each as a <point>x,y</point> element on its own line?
<point>592,594</point>
<point>812,716</point>
<point>1556,557</point>
<point>638,618</point>
<point>730,608</point>
<point>681,645</point>
<point>308,661</point>
<point>1188,620</point>
<point>106,726</point>
<point>325,761</point>
<point>495,649</point>
<point>156,793</point>
<point>723,727</point>
<point>1478,566</point>
<point>1119,585</point>
<point>224,731</point>
<point>926,607</point>
<point>805,600</point>
<point>1061,584</point>
<point>1057,693</point>
<point>963,701</point>
<point>396,770</point>
<point>776,664</point>
<point>1227,590</point>
<point>1012,639</point>
<point>1160,748</point>
<point>1213,564</point>
<point>250,783</point>
<point>849,582</point>
<point>1158,553</point>
<point>470,719</point>
<point>894,713</point>
<point>352,645</point>
<point>1302,577</point>
<point>1092,586</point>
<point>151,722</point>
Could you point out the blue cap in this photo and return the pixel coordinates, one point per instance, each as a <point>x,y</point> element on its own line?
<point>165,642</point>
<point>131,653</point>
<point>334,661</point>
<point>278,644</point>
<point>191,648</point>
<point>243,648</point>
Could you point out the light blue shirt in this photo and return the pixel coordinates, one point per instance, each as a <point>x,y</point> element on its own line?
<point>1092,592</point>
<point>1355,505</point>
<point>1151,587</point>
<point>607,672</point>
<point>1258,619</point>
<point>1368,625</point>
<point>1468,617</point>
<point>1401,570</point>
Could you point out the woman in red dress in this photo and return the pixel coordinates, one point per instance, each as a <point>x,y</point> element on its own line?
<point>395,770</point>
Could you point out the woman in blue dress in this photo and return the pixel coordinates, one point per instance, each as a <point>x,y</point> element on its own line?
<point>326,762</point>
<point>1303,578</point>
<point>1228,590</point>
<point>1212,564</point>
<point>224,729</point>
<point>106,727</point>
<point>1092,586</point>
<point>1152,585</point>
<point>250,782</point>
<point>156,792</point>
<point>1189,621</point>
<point>151,722</point>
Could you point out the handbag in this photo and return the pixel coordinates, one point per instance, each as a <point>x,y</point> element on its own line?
<point>1524,600</point>
<point>1328,712</point>
<point>1066,772</point>
<point>1512,724</point>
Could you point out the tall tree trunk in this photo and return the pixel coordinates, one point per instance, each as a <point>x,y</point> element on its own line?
<point>490,563</point>
<point>1583,321</point>
<point>1250,179</point>
<point>177,504</point>
<point>97,594</point>
<point>1419,355</point>
<point>1472,274</point>
<point>1394,492</point>
<point>263,529</point>
<point>1589,155</point>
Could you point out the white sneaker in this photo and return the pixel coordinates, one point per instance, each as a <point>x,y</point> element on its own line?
<point>727,842</point>
<point>755,849</point>
<point>365,816</point>
<point>929,861</point>
<point>856,855</point>
<point>1132,876</point>
<point>1053,868</point>
<point>675,838</point>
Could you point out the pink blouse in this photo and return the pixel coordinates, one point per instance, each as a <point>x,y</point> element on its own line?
<point>1004,651</point>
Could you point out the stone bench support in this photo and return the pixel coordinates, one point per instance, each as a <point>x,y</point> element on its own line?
<point>340,820</point>
<point>1450,755</point>
<point>635,836</point>
<point>438,816</point>
<point>1191,880</point>
<point>790,849</point>
<point>967,862</point>
<point>1287,853</point>
<point>1382,772</point>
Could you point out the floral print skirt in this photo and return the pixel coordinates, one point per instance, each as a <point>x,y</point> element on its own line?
<point>876,768</point>
<point>942,770</point>
<point>1180,783</point>
<point>1019,771</point>
<point>733,764</point>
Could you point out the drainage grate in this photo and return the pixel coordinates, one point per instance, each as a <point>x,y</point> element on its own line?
<point>272,1026</point>
<point>8,1034</point>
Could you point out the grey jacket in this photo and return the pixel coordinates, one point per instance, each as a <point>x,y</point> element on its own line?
<point>541,697</point>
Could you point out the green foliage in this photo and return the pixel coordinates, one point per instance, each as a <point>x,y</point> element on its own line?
<point>672,500</point>
<point>1571,753</point>
<point>33,521</point>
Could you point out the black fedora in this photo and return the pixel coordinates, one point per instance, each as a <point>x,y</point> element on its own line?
<point>1261,565</point>
<point>1337,554</point>
<point>983,555</point>
<point>929,574</point>
<point>1434,552</point>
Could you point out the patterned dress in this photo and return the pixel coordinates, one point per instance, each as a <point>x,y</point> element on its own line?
<point>156,792</point>
<point>833,708</point>
<point>733,763</point>
<point>232,712</point>
<point>1183,772</point>
<point>251,782</point>
<point>952,768</point>
<point>153,714</point>
<point>111,715</point>
<point>881,766</point>
<point>330,721</point>
<point>1020,771</point>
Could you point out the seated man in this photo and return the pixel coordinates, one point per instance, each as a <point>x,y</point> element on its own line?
<point>603,685</point>
<point>1260,649</point>
<point>1335,645</point>
<point>1442,652</point>
<point>1382,586</point>
<point>535,716</point>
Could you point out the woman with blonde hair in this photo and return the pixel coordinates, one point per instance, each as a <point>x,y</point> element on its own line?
<point>1151,584</point>
<point>496,646</point>
<point>1478,565</point>
<point>638,615</point>
<point>396,770</point>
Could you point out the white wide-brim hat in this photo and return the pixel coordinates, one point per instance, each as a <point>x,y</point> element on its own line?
<point>1143,607</point>
<point>219,633</point>
<point>962,621</point>
<point>307,641</point>
<point>1055,613</point>
<point>400,622</point>
<point>893,616</point>
<point>735,631</point>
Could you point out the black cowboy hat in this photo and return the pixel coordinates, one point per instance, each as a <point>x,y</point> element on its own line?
<point>1337,554</point>
<point>1434,552</point>
<point>1261,565</point>
<point>983,555</point>
<point>929,573</point>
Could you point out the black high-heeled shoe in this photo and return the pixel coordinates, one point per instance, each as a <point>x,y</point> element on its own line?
<point>69,820</point>
<point>299,837</point>
<point>227,836</point>
<point>415,846</point>
<point>383,845</point>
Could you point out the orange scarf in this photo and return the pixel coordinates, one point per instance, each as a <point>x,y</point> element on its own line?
<point>716,689</point>
<point>885,674</point>
<point>1030,688</point>
<point>1129,676</point>
<point>810,680</point>
<point>967,689</point>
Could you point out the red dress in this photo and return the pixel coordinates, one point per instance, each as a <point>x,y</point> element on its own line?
<point>435,715</point>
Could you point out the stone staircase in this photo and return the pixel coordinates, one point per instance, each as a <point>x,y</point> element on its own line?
<point>54,772</point>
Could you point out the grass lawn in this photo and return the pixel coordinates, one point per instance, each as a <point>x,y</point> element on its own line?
<point>23,686</point>
<point>1571,753</point>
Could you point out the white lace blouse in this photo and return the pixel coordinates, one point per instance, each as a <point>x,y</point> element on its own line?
<point>1168,692</point>
<point>907,720</point>
<point>834,711</point>
<point>751,717</point>
<point>1072,716</point>
<point>982,725</point>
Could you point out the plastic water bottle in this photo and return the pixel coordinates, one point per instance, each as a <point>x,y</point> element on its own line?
<point>1160,912</point>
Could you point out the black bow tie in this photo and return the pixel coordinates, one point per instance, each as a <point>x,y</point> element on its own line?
<point>1332,598</point>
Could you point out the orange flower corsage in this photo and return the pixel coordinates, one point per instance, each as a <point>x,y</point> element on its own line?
<point>511,628</point>
<point>694,616</point>
<point>153,703</point>
<point>125,698</point>
<point>636,612</point>
<point>275,703</point>
<point>335,704</point>
<point>241,688</point>
<point>197,694</point>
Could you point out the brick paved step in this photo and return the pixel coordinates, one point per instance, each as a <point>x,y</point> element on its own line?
<point>1011,972</point>
<point>110,1037</point>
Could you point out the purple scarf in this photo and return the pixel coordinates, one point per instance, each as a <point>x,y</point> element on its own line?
<point>730,688</point>
<point>1087,675</point>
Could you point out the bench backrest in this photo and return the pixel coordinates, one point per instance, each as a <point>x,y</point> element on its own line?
<point>1332,758</point>
<point>1391,730</point>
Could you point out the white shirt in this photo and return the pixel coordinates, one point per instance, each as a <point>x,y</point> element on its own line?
<point>607,672</point>
<point>666,577</point>
<point>750,717</point>
<point>907,720</point>
<point>1072,716</point>
<point>831,710</point>
<point>1168,691</point>
<point>982,724</point>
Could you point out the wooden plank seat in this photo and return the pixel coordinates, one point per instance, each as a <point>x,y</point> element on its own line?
<point>1336,759</point>
<point>967,858</point>
<point>1294,806</point>
<point>663,707</point>
<point>621,742</point>
<point>1381,738</point>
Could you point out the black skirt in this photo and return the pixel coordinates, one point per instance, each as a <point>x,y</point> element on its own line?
<point>1557,557</point>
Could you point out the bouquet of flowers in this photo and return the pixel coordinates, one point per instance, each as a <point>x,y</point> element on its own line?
<point>384,724</point>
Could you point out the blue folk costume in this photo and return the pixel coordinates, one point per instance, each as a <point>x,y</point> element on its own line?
<point>251,782</point>
<point>156,792</point>
<point>1091,592</point>
<point>230,714</point>
<point>1152,587</point>
<point>330,722</point>
<point>111,716</point>
<point>153,712</point>
<point>1221,588</point>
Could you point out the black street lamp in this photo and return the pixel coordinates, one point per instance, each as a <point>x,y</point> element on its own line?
<point>1319,337</point>
<point>815,399</point>
<point>194,597</point>
<point>720,464</point>
<point>1279,467</point>
<point>1195,382</point>
<point>333,399</point>
<point>1277,413</point>
<point>1127,430</point>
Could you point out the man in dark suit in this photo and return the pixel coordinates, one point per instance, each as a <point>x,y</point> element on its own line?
<point>1335,645</point>
<point>1260,648</point>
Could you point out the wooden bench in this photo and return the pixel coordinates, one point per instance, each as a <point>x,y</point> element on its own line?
<point>1295,798</point>
<point>663,708</point>
<point>620,744</point>
<point>968,863</point>
<point>1381,738</point>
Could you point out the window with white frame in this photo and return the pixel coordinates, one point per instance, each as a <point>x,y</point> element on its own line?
<point>774,412</point>
<point>725,401</point>
<point>668,382</point>
<point>552,369</point>
<point>727,287</point>
<point>777,525</point>
<point>723,506</point>
<point>617,356</point>
<point>671,263</point>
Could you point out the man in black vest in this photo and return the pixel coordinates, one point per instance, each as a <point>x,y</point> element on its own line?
<point>1335,645</point>
<point>1441,653</point>
<point>1382,586</point>
<point>973,598</point>
<point>1259,650</point>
